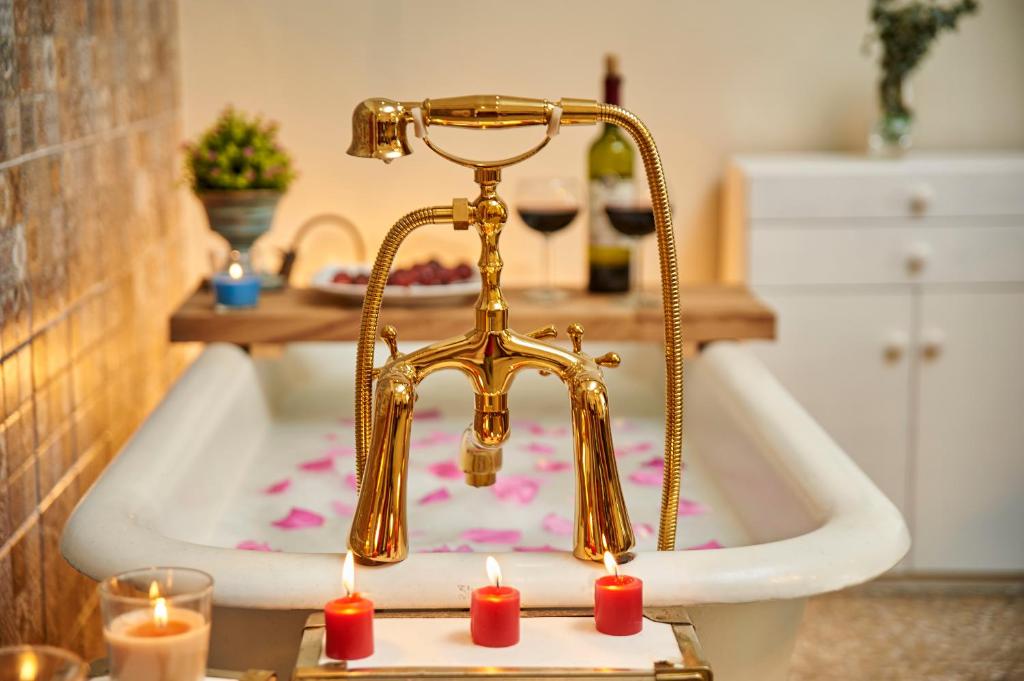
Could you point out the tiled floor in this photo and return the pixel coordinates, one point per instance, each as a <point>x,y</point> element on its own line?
<point>919,630</point>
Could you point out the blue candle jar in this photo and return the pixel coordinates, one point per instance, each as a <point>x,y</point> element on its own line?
<point>236,290</point>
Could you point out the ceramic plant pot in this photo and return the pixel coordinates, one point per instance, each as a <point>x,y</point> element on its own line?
<point>241,217</point>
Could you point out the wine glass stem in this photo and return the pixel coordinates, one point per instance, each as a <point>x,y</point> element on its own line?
<point>636,269</point>
<point>549,271</point>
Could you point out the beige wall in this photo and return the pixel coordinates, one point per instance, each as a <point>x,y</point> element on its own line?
<point>710,78</point>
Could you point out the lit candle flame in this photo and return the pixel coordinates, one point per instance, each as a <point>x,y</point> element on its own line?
<point>160,612</point>
<point>610,564</point>
<point>348,574</point>
<point>154,590</point>
<point>493,571</point>
<point>235,270</point>
<point>28,668</point>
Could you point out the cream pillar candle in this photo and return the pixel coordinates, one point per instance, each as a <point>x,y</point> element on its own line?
<point>156,623</point>
<point>146,647</point>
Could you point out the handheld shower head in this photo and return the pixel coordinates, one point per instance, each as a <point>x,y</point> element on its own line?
<point>379,130</point>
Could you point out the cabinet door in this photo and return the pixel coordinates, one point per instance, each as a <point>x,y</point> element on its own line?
<point>843,355</point>
<point>969,505</point>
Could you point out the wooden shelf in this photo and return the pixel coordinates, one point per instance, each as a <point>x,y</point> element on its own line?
<point>710,312</point>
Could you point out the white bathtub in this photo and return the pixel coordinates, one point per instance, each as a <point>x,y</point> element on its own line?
<point>795,515</point>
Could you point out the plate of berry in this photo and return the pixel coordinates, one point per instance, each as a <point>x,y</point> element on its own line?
<point>423,283</point>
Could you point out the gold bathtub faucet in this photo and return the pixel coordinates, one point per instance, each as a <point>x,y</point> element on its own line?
<point>491,354</point>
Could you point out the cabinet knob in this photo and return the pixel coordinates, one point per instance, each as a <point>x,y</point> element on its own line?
<point>933,341</point>
<point>917,256</point>
<point>921,197</point>
<point>895,346</point>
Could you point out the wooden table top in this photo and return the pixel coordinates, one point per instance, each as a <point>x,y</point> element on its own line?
<point>709,312</point>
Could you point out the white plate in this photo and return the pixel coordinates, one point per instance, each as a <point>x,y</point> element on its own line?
<point>416,294</point>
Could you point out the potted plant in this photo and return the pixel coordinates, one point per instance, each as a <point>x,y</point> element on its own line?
<point>905,31</point>
<point>239,172</point>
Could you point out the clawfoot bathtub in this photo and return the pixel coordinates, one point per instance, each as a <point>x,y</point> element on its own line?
<point>257,454</point>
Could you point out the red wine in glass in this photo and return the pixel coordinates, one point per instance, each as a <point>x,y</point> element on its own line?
<point>547,220</point>
<point>635,221</point>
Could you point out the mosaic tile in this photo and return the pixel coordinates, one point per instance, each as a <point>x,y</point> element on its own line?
<point>89,229</point>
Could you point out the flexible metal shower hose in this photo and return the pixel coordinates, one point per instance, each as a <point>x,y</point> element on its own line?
<point>673,324</point>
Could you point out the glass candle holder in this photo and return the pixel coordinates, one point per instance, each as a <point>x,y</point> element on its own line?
<point>156,623</point>
<point>40,663</point>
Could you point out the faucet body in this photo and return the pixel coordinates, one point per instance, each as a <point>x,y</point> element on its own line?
<point>490,355</point>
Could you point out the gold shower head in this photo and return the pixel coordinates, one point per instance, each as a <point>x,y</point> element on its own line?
<point>379,130</point>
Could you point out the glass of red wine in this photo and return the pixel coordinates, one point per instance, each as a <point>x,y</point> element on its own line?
<point>547,205</point>
<point>634,218</point>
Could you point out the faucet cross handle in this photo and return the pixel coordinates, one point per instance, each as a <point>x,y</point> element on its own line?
<point>390,336</point>
<point>548,331</point>
<point>609,359</point>
<point>575,332</point>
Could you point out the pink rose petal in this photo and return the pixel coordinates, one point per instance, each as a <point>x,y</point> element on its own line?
<point>647,476</point>
<point>330,436</point>
<point>643,530</point>
<point>444,548</point>
<point>343,509</point>
<point>546,548</point>
<point>536,428</point>
<point>278,487</point>
<point>299,518</point>
<point>549,466</point>
<point>654,462</point>
<point>439,494</point>
<point>635,448</point>
<point>318,465</point>
<point>250,545</point>
<point>347,421</point>
<point>518,489</point>
<point>539,448</point>
<point>427,415</point>
<point>713,544</point>
<point>437,437</point>
<point>352,482</point>
<point>623,424</point>
<point>690,507</point>
<point>558,431</point>
<point>448,470</point>
<point>556,524</point>
<point>483,535</point>
<point>343,450</point>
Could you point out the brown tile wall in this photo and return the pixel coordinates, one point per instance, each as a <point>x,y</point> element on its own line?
<point>92,259</point>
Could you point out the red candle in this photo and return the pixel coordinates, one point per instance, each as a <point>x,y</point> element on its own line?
<point>349,620</point>
<point>618,601</point>
<point>494,611</point>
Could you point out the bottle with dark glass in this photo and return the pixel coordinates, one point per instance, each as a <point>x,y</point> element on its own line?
<point>610,169</point>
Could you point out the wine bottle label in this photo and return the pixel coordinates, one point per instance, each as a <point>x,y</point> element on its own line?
<point>607,246</point>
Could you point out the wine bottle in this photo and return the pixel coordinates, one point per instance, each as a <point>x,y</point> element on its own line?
<point>610,169</point>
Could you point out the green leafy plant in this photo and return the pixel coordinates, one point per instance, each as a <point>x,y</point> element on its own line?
<point>238,152</point>
<point>905,31</point>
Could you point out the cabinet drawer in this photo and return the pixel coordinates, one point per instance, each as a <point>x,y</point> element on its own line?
<point>867,255</point>
<point>866,189</point>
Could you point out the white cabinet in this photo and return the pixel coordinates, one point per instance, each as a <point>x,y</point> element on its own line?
<point>969,500</point>
<point>899,288</point>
